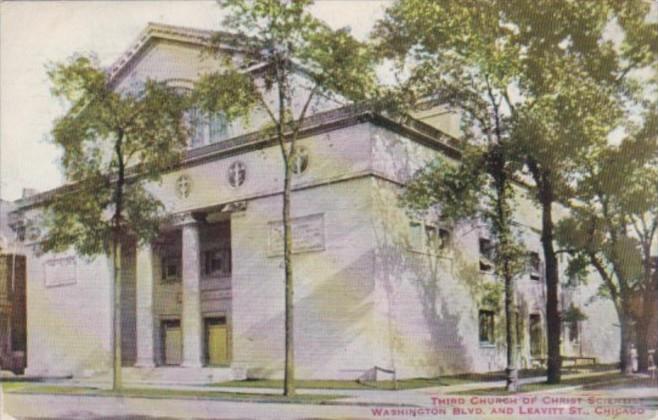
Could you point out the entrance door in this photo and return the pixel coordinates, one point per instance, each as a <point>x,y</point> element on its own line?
<point>217,341</point>
<point>173,342</point>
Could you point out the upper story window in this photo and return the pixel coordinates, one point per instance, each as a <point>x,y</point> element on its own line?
<point>207,128</point>
<point>429,238</point>
<point>486,254</point>
<point>217,262</point>
<point>171,269</point>
<point>534,264</point>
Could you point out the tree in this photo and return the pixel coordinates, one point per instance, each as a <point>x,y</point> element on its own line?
<point>533,60</point>
<point>112,143</point>
<point>479,188</point>
<point>473,78</point>
<point>299,63</point>
<point>574,89</point>
<point>613,227</point>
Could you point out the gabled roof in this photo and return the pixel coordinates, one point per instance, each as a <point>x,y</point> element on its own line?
<point>160,31</point>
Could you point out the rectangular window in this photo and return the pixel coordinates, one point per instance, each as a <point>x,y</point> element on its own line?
<point>218,128</point>
<point>534,263</point>
<point>197,123</point>
<point>536,335</point>
<point>217,262</point>
<point>486,254</point>
<point>416,236</point>
<point>428,238</point>
<point>171,269</point>
<point>436,239</point>
<point>486,322</point>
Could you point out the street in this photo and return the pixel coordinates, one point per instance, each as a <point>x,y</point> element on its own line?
<point>621,402</point>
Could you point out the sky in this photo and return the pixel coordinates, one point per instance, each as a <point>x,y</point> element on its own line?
<point>35,33</point>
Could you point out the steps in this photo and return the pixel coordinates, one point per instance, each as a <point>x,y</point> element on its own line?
<point>178,375</point>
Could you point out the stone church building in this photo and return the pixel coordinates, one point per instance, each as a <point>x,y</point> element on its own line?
<point>373,287</point>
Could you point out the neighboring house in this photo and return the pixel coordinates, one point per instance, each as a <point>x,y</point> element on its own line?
<point>372,287</point>
<point>12,298</point>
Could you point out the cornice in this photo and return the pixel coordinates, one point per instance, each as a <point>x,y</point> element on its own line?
<point>319,123</point>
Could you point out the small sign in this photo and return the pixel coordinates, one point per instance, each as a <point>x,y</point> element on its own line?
<point>307,235</point>
<point>60,271</point>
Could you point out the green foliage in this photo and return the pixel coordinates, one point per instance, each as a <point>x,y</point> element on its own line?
<point>230,91</point>
<point>616,216</point>
<point>491,296</point>
<point>287,44</point>
<point>288,63</point>
<point>573,314</point>
<point>452,187</point>
<point>540,85</point>
<point>111,143</point>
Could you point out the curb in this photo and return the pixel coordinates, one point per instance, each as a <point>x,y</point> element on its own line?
<point>221,399</point>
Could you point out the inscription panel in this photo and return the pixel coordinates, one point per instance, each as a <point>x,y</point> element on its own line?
<point>60,271</point>
<point>307,235</point>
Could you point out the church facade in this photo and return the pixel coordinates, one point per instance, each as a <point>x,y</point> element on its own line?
<point>374,287</point>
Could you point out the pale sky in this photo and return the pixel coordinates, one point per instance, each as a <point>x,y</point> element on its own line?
<point>35,33</point>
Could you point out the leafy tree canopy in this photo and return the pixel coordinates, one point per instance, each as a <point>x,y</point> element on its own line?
<point>105,136</point>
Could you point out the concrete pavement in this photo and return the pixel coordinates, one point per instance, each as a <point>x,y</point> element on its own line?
<point>357,404</point>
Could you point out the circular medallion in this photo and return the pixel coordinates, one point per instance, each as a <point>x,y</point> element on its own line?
<point>183,186</point>
<point>300,160</point>
<point>237,174</point>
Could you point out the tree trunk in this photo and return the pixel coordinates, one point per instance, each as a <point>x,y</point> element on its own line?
<point>641,344</point>
<point>289,374</point>
<point>554,364</point>
<point>116,311</point>
<point>512,380</point>
<point>648,311</point>
<point>625,362</point>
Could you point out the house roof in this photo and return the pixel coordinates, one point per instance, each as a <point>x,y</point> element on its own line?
<point>174,33</point>
<point>336,118</point>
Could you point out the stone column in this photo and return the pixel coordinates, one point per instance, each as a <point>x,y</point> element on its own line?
<point>145,326</point>
<point>191,316</point>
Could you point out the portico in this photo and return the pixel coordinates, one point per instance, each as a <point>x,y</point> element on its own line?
<point>183,295</point>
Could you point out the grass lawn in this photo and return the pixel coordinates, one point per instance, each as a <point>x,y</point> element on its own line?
<point>336,384</point>
<point>613,378</point>
<point>31,388</point>
<point>406,383</point>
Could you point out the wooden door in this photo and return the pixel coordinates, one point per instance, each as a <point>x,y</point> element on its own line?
<point>217,342</point>
<point>173,343</point>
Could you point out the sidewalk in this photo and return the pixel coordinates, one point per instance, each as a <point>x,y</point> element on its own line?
<point>409,397</point>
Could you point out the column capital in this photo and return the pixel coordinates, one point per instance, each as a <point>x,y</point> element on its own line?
<point>187,218</point>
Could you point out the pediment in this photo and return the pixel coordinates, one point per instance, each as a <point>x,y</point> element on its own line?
<point>164,52</point>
